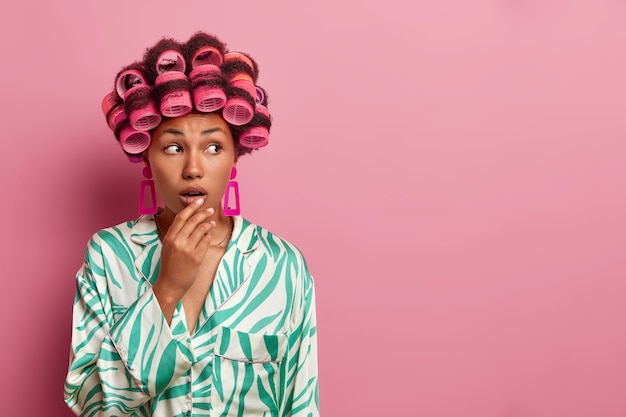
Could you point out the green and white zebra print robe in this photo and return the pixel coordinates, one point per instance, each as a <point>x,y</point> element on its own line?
<point>254,351</point>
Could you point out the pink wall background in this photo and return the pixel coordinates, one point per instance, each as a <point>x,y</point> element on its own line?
<point>455,173</point>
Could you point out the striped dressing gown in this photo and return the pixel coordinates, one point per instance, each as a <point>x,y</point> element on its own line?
<point>253,352</point>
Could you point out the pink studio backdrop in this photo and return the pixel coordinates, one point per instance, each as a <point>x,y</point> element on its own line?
<point>455,173</point>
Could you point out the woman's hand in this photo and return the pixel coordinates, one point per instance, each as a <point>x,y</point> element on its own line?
<point>184,247</point>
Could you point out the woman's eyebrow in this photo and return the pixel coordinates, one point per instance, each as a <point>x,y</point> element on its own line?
<point>172,132</point>
<point>209,131</point>
<point>176,132</point>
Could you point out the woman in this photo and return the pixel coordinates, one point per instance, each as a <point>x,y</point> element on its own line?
<point>190,309</point>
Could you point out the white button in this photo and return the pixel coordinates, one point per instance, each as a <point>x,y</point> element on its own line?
<point>184,409</point>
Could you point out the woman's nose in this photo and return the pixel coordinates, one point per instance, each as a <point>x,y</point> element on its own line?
<point>193,167</point>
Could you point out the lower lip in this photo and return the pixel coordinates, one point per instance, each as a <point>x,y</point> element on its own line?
<point>188,200</point>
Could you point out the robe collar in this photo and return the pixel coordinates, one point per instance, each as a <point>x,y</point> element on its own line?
<point>243,241</point>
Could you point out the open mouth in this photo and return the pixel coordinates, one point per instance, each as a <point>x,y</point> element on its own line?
<point>191,194</point>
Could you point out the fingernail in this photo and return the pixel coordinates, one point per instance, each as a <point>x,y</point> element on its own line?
<point>210,210</point>
<point>199,201</point>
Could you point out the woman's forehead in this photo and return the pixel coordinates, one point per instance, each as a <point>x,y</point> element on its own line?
<point>195,122</point>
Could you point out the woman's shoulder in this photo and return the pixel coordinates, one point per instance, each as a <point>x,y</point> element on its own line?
<point>274,249</point>
<point>138,230</point>
<point>269,241</point>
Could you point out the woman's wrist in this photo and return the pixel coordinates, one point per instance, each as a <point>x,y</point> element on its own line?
<point>168,298</point>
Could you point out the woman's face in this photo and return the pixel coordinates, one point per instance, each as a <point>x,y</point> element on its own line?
<point>191,157</point>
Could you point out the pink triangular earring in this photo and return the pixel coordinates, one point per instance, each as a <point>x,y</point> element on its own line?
<point>150,206</point>
<point>233,187</point>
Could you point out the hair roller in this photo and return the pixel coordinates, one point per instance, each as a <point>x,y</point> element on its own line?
<point>128,79</point>
<point>109,101</point>
<point>233,67</point>
<point>203,49</point>
<point>141,109</point>
<point>244,82</point>
<point>170,61</point>
<point>206,55</point>
<point>236,59</point>
<point>171,86</point>
<point>256,133</point>
<point>134,141</point>
<point>119,127</point>
<point>255,137</point>
<point>116,116</point>
<point>208,88</point>
<point>262,110</point>
<point>113,110</point>
<point>164,57</point>
<point>171,90</point>
<point>261,96</point>
<point>239,108</point>
<point>255,66</point>
<point>131,85</point>
<point>262,117</point>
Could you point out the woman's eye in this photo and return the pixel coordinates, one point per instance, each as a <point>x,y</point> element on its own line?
<point>173,149</point>
<point>214,148</point>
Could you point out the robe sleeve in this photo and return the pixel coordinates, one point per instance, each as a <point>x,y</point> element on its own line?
<point>117,367</point>
<point>302,385</point>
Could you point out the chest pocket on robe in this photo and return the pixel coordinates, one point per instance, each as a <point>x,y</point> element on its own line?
<point>247,374</point>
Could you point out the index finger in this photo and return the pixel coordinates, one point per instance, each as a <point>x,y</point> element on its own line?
<point>184,215</point>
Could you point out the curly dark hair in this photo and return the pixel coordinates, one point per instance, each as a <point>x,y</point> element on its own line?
<point>172,80</point>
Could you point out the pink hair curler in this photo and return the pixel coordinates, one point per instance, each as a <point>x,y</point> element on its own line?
<point>109,101</point>
<point>261,109</point>
<point>127,80</point>
<point>245,84</point>
<point>208,98</point>
<point>206,55</point>
<point>233,187</point>
<point>116,116</point>
<point>143,114</point>
<point>134,141</point>
<point>208,94</point>
<point>169,61</point>
<point>239,57</point>
<point>176,102</point>
<point>260,95</point>
<point>113,110</point>
<point>237,111</point>
<point>255,137</point>
<point>205,72</point>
